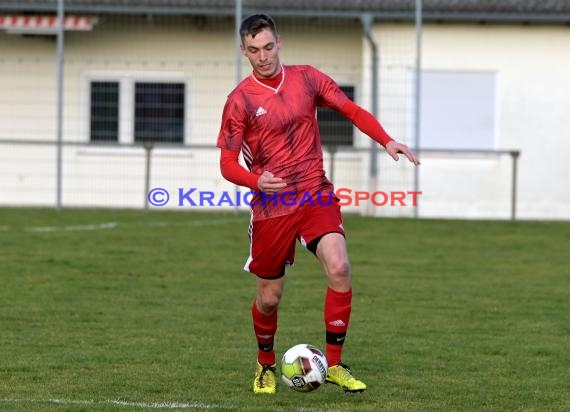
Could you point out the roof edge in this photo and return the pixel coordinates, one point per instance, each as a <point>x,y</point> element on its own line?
<point>428,16</point>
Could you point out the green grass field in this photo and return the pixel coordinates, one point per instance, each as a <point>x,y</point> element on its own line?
<point>121,310</point>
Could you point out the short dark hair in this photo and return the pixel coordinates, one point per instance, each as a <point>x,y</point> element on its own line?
<point>255,23</point>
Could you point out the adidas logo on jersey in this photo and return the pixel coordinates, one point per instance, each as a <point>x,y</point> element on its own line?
<point>260,111</point>
<point>337,322</point>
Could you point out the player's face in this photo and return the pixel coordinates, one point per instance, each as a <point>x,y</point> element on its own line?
<point>262,52</point>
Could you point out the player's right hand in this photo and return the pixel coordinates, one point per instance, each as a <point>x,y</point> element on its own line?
<point>270,184</point>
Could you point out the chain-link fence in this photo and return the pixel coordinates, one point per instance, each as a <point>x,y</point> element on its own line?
<point>141,102</point>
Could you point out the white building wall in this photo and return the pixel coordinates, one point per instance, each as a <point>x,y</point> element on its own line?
<point>532,64</point>
<point>126,52</point>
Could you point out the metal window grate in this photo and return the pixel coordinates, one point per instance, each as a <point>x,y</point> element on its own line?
<point>159,112</point>
<point>335,129</point>
<point>104,124</point>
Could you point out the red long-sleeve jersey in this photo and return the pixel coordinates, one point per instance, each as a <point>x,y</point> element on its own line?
<point>276,129</point>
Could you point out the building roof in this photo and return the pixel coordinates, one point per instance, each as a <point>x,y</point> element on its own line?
<point>546,11</point>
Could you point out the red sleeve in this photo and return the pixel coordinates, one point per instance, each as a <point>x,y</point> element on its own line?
<point>366,122</point>
<point>233,124</point>
<point>330,95</point>
<point>234,172</point>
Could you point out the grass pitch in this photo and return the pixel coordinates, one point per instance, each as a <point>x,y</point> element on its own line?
<point>121,310</point>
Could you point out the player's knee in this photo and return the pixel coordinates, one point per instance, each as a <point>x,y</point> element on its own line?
<point>339,269</point>
<point>268,302</point>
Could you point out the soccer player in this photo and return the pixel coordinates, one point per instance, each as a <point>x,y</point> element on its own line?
<point>271,118</point>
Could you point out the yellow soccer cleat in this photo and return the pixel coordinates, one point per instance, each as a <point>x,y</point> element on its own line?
<point>342,376</point>
<point>264,381</point>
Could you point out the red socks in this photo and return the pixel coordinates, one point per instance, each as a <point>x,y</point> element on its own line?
<point>265,327</point>
<point>337,316</point>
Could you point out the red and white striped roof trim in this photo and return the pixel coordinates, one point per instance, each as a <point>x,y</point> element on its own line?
<point>45,24</point>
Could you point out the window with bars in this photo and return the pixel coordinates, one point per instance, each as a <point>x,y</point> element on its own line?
<point>159,112</point>
<point>155,112</point>
<point>104,125</point>
<point>336,129</point>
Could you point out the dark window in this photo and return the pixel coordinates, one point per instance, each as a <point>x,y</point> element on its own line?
<point>104,112</point>
<point>334,127</point>
<point>159,112</point>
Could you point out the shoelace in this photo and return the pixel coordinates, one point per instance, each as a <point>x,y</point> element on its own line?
<point>264,369</point>
<point>345,366</point>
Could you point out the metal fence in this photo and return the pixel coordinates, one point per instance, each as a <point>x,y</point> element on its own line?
<point>122,176</point>
<point>80,125</point>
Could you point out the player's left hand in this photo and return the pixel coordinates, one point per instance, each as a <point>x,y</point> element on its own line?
<point>393,148</point>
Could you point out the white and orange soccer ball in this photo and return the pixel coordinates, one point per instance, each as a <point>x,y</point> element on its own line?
<point>304,368</point>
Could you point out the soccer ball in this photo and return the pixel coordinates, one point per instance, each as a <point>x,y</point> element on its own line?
<point>304,368</point>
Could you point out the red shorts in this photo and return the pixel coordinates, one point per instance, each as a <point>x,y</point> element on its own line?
<point>273,240</point>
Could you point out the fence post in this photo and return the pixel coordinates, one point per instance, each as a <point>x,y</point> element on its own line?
<point>332,151</point>
<point>59,108</point>
<point>367,20</point>
<point>514,157</point>
<point>417,97</point>
<point>148,149</point>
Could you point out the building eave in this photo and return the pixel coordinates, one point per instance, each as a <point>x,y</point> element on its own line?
<point>379,15</point>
